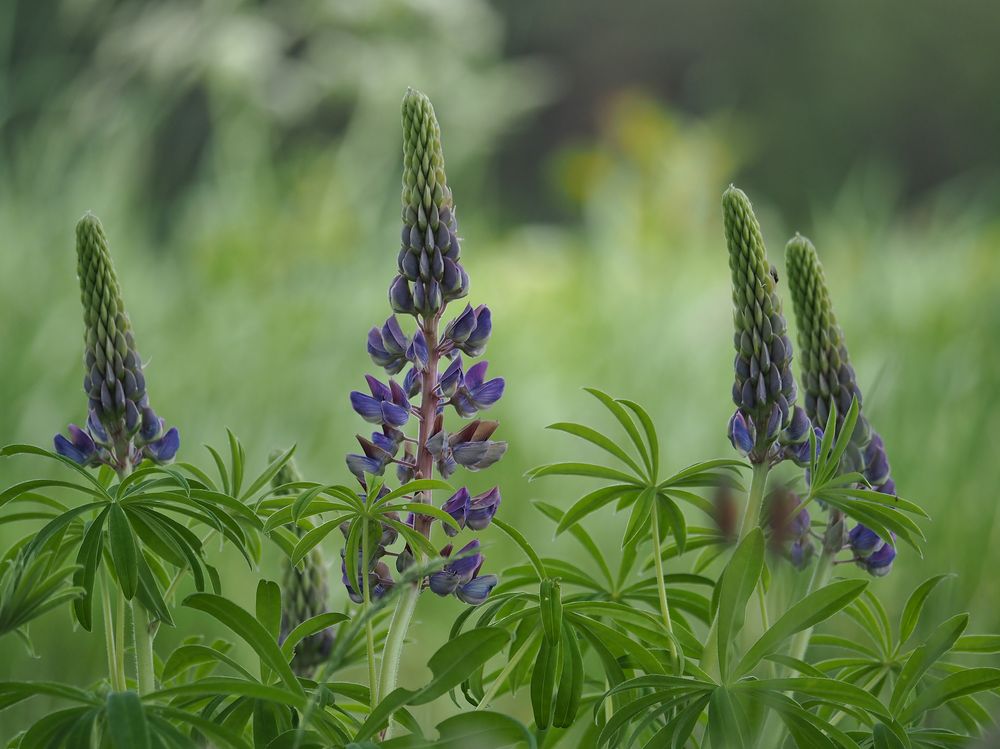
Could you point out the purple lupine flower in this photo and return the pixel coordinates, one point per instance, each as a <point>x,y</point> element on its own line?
<point>476,591</point>
<point>863,541</point>
<point>876,461</point>
<point>475,343</point>
<point>742,433</point>
<point>430,276</point>
<point>475,392</point>
<point>80,447</point>
<point>458,507</point>
<point>482,508</point>
<point>469,447</point>
<point>387,347</point>
<point>879,563</point>
<point>417,352</point>
<point>461,576</point>
<point>451,379</point>
<point>122,429</point>
<point>459,329</point>
<point>387,405</point>
<point>801,552</point>
<point>788,529</point>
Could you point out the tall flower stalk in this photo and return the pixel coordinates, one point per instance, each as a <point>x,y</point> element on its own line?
<point>767,426</point>
<point>830,384</point>
<point>121,429</point>
<point>429,277</point>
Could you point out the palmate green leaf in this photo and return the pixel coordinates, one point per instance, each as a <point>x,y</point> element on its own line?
<point>672,519</point>
<point>264,479</point>
<point>314,537</point>
<point>923,658</point>
<point>268,608</point>
<point>639,518</point>
<point>186,657</point>
<point>479,730</point>
<point>651,438</point>
<point>307,628</point>
<point>806,728</point>
<point>127,721</point>
<point>915,606</point>
<point>581,535</point>
<point>517,537</point>
<point>736,585</point>
<point>833,691</point>
<point>596,438</point>
<point>412,487</point>
<point>884,737</point>
<point>450,666</point>
<point>590,470</point>
<point>627,424</point>
<point>88,558</point>
<point>59,728</point>
<point>570,688</point>
<point>810,611</point>
<point>979,644</point>
<point>124,553</point>
<point>13,692</point>
<point>726,724</point>
<point>594,501</point>
<point>248,629</point>
<point>10,450</point>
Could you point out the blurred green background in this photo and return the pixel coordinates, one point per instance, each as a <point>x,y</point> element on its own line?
<point>245,160</point>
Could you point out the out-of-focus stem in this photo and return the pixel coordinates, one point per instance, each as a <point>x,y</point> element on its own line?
<point>145,676</point>
<point>116,666</point>
<point>369,635</point>
<point>751,517</point>
<point>660,584</point>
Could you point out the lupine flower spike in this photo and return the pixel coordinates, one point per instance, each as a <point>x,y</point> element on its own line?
<point>122,429</point>
<point>829,379</point>
<point>305,591</point>
<point>429,276</point>
<point>764,389</point>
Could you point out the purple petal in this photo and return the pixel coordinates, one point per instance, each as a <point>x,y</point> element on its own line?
<point>164,449</point>
<point>864,541</point>
<point>482,508</point>
<point>461,327</point>
<point>476,591</point>
<point>378,390</point>
<point>359,465</point>
<point>489,393</point>
<point>367,408</point>
<point>68,450</point>
<point>417,351</point>
<point>394,415</point>
<point>443,582</point>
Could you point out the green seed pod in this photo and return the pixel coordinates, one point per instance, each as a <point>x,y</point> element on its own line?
<point>550,609</point>
<point>764,389</point>
<point>306,591</point>
<point>827,375</point>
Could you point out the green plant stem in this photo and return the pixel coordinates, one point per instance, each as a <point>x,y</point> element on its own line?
<point>820,577</point>
<point>120,633</point>
<point>751,517</point>
<point>116,668</point>
<point>660,584</point>
<point>393,648</point>
<point>145,675</point>
<point>504,673</point>
<point>369,635</point>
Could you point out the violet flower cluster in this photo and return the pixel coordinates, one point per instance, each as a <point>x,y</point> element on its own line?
<point>409,414</point>
<point>122,428</point>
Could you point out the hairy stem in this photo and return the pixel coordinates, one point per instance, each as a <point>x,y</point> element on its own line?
<point>369,635</point>
<point>116,667</point>
<point>751,517</point>
<point>660,584</point>
<point>504,673</point>
<point>407,602</point>
<point>145,676</point>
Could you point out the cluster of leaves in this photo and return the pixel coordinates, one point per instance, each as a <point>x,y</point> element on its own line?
<point>609,654</point>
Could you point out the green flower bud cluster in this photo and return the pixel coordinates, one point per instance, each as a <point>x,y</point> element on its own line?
<point>430,274</point>
<point>764,388</point>
<point>306,591</point>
